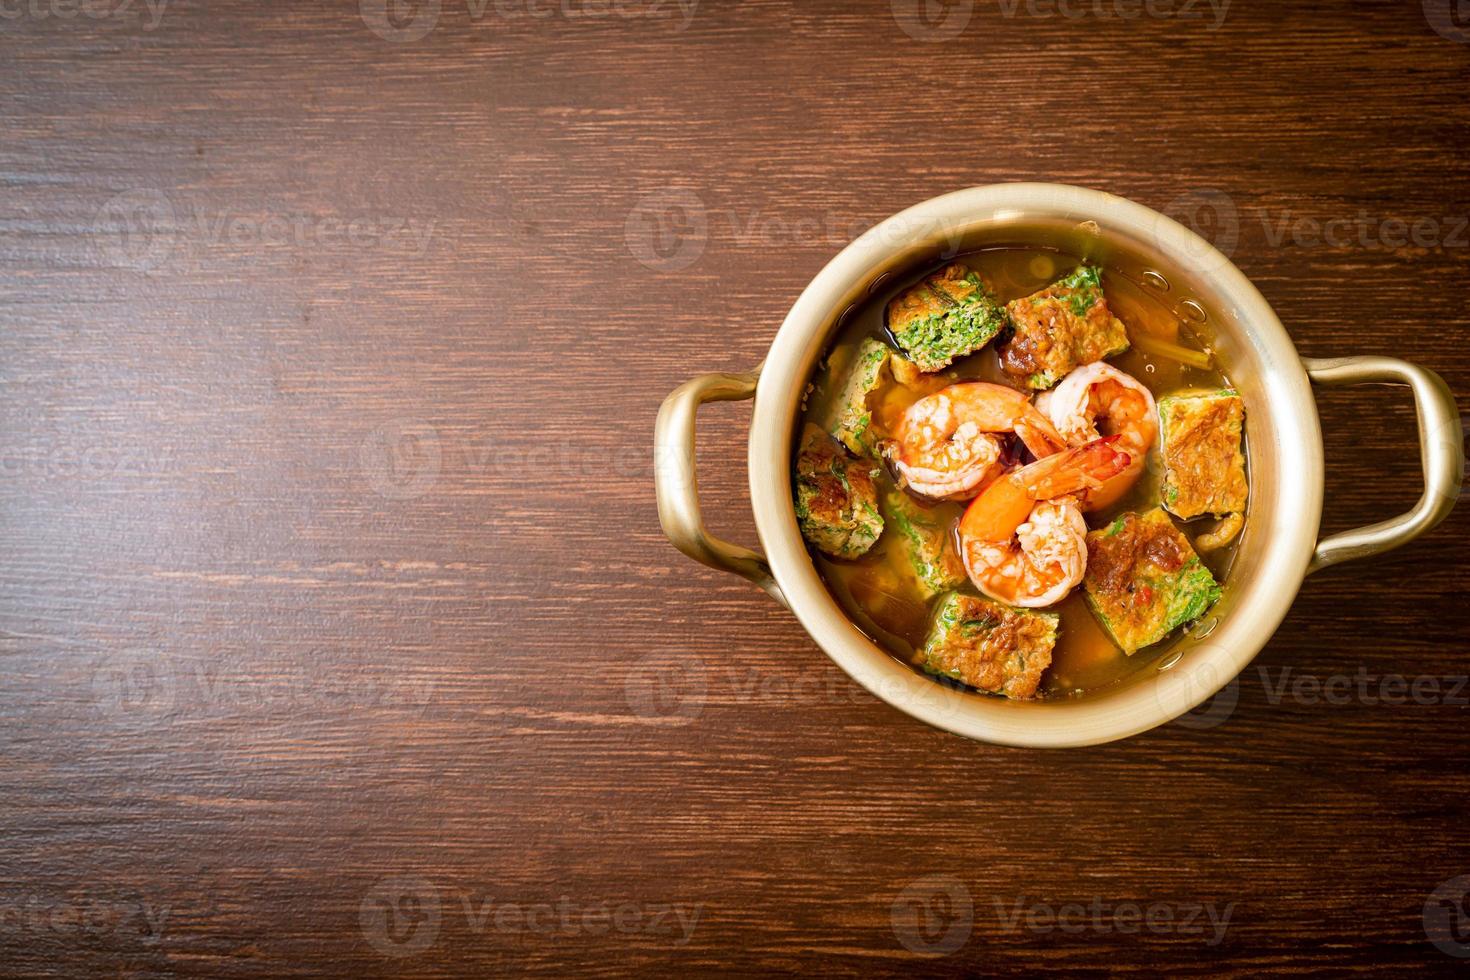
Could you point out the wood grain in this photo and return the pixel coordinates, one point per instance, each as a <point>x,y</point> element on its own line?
<point>332,582</point>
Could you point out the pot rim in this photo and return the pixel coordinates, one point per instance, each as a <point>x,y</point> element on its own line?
<point>1257,606</point>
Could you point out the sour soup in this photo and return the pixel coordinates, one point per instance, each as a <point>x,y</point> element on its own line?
<point>1024,319</point>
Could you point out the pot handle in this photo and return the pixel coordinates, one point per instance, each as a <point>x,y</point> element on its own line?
<point>1441,448</point>
<point>677,486</point>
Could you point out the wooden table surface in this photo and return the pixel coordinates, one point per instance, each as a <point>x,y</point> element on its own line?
<point>338,633</point>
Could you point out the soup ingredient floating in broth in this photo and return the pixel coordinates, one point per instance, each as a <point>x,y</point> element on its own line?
<point>948,444</point>
<point>989,646</point>
<point>1023,539</point>
<point>945,316</point>
<point>1144,580</point>
<point>1204,468</point>
<point>1099,400</point>
<point>852,416</point>
<point>836,499</point>
<point>967,525</point>
<point>924,539</point>
<point>1064,325</point>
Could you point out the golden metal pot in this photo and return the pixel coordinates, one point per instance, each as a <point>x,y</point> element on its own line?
<point>1278,549</point>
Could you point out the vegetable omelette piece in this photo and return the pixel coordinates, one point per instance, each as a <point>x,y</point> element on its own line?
<point>923,538</point>
<point>1204,467</point>
<point>1144,580</point>
<point>1064,326</point>
<point>989,646</point>
<point>836,499</point>
<point>852,417</point>
<point>945,316</point>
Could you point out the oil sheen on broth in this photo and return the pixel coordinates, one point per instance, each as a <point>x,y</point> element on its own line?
<point>879,590</point>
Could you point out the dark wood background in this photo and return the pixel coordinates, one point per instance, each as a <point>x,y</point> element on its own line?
<point>332,579</point>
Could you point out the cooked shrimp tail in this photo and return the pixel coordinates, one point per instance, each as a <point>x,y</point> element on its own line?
<point>1075,470</point>
<point>1098,399</point>
<point>1023,539</point>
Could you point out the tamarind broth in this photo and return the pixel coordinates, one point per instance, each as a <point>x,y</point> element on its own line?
<point>880,592</point>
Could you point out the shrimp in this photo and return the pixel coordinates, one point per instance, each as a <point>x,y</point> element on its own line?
<point>1023,540</point>
<point>949,444</point>
<point>1099,400</point>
